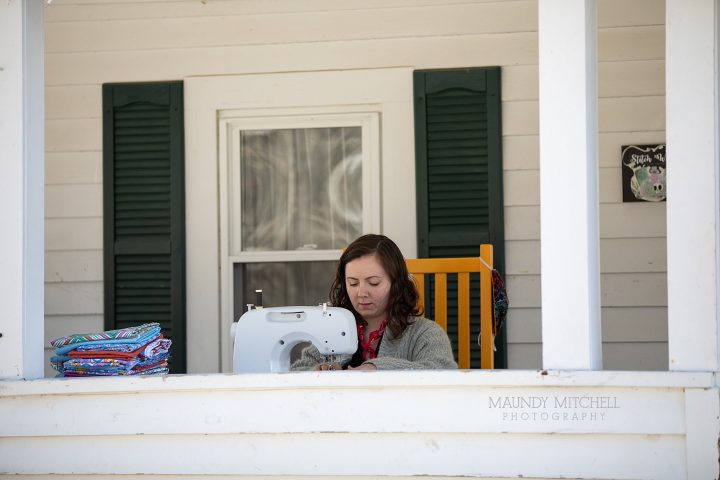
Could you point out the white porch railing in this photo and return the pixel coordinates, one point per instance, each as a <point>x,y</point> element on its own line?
<point>463,423</point>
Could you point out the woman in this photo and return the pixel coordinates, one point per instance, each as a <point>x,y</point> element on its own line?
<point>372,282</point>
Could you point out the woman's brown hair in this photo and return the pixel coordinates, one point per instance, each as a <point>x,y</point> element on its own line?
<point>403,296</point>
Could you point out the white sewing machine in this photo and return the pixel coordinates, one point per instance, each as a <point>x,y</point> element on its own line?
<point>264,337</point>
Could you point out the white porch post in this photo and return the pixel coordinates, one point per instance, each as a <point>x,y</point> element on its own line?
<point>568,185</point>
<point>693,183</point>
<point>22,145</point>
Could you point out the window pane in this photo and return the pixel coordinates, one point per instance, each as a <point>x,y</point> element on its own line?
<point>283,284</point>
<point>300,188</point>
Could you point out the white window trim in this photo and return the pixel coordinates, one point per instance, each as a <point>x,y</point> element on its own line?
<point>387,91</point>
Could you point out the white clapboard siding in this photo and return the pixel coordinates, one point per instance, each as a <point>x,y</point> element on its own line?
<point>522,257</point>
<point>629,255</point>
<point>629,78</point>
<point>632,219</point>
<point>638,43</point>
<point>646,220</point>
<point>519,82</point>
<point>615,79</point>
<point>73,135</point>
<point>611,13</point>
<point>617,289</point>
<point>73,266</point>
<point>292,28</point>
<point>630,114</point>
<point>614,115</point>
<point>73,201</point>
<point>632,43</point>
<point>523,290</point>
<point>91,10</point>
<point>521,152</point>
<point>73,298</point>
<point>634,289</point>
<point>73,234</point>
<point>610,184</point>
<point>620,324</point>
<point>524,325</point>
<point>635,356</point>
<point>520,118</point>
<point>616,13</point>
<point>420,52</point>
<point>521,187</point>
<point>617,255</point>
<point>522,223</point>
<point>525,356</point>
<point>73,167</point>
<point>634,324</point>
<point>73,101</point>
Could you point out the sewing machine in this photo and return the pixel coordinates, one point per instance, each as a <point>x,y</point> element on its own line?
<point>264,337</point>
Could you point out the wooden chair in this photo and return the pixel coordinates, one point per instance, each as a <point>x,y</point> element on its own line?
<point>439,268</point>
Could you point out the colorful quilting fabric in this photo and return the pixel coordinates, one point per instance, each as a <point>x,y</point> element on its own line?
<point>130,333</point>
<point>56,361</point>
<point>99,364</point>
<point>138,350</point>
<point>133,343</point>
<point>150,350</point>
<point>110,364</point>
<point>156,368</point>
<point>118,347</point>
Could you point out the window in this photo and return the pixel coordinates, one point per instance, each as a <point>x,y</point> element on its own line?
<point>218,107</point>
<point>299,189</point>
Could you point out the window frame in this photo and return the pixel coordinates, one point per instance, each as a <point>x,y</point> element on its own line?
<point>382,90</point>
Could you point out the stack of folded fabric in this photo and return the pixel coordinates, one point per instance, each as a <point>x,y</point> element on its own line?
<point>140,350</point>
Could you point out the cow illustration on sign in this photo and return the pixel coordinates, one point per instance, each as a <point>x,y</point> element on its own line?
<point>644,173</point>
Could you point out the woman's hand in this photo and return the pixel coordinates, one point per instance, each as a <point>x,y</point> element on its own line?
<point>337,366</point>
<point>364,366</point>
<point>328,366</point>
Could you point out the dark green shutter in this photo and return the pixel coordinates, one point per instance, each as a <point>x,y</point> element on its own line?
<point>144,210</point>
<point>458,145</point>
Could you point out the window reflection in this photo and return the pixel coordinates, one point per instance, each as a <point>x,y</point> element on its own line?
<point>300,188</point>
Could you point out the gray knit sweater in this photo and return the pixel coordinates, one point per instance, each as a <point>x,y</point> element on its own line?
<point>423,345</point>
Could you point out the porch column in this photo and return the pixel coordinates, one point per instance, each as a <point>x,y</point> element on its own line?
<point>693,183</point>
<point>569,233</point>
<point>22,145</point>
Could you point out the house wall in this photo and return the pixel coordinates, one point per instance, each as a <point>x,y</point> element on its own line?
<point>90,42</point>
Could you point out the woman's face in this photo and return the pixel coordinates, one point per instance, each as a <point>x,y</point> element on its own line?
<point>368,286</point>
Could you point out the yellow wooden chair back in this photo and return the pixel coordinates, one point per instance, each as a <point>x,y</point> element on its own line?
<point>463,267</point>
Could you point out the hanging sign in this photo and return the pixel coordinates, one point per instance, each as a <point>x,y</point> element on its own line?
<point>643,173</point>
